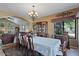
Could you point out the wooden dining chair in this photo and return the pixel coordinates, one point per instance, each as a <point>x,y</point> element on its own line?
<point>65,43</point>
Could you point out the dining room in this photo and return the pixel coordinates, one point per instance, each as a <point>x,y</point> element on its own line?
<point>39,29</point>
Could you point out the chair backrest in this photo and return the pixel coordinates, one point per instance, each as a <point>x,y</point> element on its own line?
<point>7,38</point>
<point>60,37</point>
<point>26,40</point>
<point>66,40</point>
<point>23,33</point>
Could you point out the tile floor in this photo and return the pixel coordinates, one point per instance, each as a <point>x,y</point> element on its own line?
<point>1,53</point>
<point>71,52</point>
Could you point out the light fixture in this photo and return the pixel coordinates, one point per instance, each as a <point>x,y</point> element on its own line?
<point>33,14</point>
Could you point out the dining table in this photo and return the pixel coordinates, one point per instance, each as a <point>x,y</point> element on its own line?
<point>47,46</point>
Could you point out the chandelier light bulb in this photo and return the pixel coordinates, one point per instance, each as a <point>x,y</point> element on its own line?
<point>33,14</point>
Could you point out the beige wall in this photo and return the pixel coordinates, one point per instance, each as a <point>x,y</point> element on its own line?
<point>4,14</point>
<point>50,28</point>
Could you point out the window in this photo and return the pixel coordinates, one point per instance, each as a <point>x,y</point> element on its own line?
<point>59,28</point>
<point>68,26</point>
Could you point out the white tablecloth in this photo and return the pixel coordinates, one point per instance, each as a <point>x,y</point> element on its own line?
<point>46,46</point>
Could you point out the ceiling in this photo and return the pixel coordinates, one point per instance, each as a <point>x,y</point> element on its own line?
<point>43,9</point>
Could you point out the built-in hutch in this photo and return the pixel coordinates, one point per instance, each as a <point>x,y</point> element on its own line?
<point>41,28</point>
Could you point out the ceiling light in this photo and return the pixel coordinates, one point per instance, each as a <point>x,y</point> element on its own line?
<point>33,14</point>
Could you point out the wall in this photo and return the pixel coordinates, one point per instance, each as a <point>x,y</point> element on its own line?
<point>77,15</point>
<point>5,14</point>
<point>2,14</point>
<point>50,29</point>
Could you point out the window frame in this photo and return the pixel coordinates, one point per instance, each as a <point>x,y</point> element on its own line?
<point>75,28</point>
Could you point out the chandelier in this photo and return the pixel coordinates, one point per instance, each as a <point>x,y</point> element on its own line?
<point>33,14</point>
